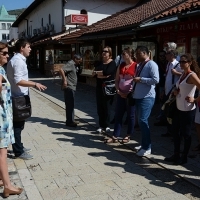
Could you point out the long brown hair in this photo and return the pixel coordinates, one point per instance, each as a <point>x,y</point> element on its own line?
<point>194,66</point>
<point>130,52</point>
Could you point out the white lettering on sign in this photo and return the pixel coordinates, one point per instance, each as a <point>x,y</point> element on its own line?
<point>164,29</point>
<point>191,26</point>
<point>79,19</point>
<point>181,27</point>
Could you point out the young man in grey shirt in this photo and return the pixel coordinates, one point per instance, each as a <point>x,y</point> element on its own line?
<point>69,77</point>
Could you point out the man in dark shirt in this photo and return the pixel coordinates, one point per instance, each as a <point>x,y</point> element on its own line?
<point>69,76</point>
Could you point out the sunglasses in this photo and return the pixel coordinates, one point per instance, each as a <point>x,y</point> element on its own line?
<point>183,61</point>
<point>105,51</point>
<point>4,53</point>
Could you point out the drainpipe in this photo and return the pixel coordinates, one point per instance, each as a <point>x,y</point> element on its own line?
<point>26,26</point>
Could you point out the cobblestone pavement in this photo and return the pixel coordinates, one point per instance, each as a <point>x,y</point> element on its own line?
<point>75,164</point>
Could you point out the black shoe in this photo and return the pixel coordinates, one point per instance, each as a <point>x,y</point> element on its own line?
<point>166,135</point>
<point>71,124</point>
<point>160,123</point>
<point>112,121</point>
<point>182,160</point>
<point>173,158</point>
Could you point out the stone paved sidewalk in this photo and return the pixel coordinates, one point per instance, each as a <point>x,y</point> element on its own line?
<point>75,163</point>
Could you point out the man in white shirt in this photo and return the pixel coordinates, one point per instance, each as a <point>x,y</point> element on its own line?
<point>173,71</point>
<point>171,46</point>
<point>17,73</point>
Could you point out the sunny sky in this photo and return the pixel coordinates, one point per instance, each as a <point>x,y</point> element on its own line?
<point>15,4</point>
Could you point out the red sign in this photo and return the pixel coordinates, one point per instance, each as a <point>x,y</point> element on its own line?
<point>76,19</point>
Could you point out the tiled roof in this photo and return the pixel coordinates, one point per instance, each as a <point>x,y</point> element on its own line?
<point>186,6</point>
<point>138,14</point>
<point>62,37</point>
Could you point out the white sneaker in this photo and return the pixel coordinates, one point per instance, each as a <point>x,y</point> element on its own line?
<point>107,129</point>
<point>143,152</point>
<point>137,148</point>
<point>99,130</point>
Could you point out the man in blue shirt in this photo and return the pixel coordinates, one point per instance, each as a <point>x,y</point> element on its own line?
<point>147,76</point>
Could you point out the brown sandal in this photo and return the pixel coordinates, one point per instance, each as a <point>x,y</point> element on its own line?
<point>111,140</point>
<point>126,139</point>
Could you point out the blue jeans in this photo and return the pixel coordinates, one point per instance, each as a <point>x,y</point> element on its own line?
<point>121,108</point>
<point>143,108</point>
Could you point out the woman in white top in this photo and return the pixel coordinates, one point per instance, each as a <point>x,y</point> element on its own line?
<point>184,117</point>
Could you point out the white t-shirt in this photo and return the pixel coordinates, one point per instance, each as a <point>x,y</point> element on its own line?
<point>17,71</point>
<point>169,75</point>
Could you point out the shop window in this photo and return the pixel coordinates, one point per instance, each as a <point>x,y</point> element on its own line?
<point>90,58</point>
<point>195,47</point>
<point>8,37</point>
<point>134,45</point>
<point>83,11</point>
<point>57,56</point>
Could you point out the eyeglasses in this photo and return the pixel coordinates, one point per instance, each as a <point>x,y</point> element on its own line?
<point>183,61</point>
<point>105,51</point>
<point>4,53</point>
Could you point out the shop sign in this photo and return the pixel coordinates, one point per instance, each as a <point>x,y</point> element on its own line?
<point>179,27</point>
<point>76,19</point>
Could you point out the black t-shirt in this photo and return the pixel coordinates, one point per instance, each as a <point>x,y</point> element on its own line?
<point>108,70</point>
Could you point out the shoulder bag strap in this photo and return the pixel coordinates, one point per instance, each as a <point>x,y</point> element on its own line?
<point>173,76</point>
<point>138,74</point>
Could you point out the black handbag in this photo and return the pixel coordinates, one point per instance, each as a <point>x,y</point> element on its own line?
<point>109,88</point>
<point>21,108</point>
<point>170,108</point>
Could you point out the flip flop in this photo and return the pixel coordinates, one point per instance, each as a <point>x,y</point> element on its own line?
<point>126,139</point>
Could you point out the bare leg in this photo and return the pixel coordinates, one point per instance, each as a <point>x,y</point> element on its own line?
<point>4,170</point>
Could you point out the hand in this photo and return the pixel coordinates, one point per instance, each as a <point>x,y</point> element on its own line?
<point>40,86</point>
<point>175,92</point>
<point>174,72</point>
<point>64,85</point>
<point>94,73</point>
<point>190,99</point>
<point>122,95</point>
<point>137,79</point>
<point>131,88</point>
